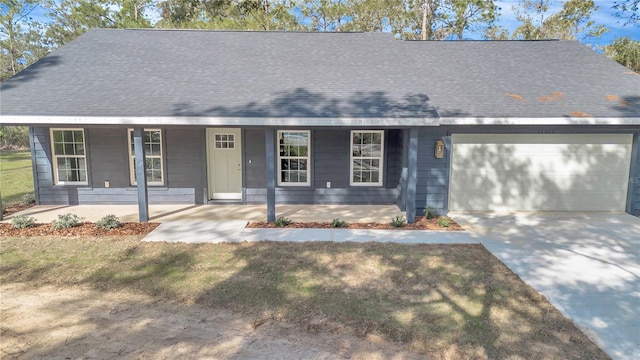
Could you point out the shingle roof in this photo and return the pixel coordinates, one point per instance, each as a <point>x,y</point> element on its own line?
<point>169,73</point>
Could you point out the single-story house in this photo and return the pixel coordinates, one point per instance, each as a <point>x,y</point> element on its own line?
<point>209,117</point>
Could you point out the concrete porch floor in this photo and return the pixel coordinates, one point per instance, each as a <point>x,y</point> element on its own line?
<point>218,212</point>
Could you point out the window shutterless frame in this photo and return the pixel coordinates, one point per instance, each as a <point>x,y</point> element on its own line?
<point>294,157</point>
<point>366,158</point>
<point>153,143</point>
<point>68,156</point>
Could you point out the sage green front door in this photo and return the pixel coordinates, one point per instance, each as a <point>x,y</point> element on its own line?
<point>224,163</point>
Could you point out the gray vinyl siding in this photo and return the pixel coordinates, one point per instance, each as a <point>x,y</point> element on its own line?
<point>254,160</point>
<point>185,165</point>
<point>329,163</point>
<point>634,178</point>
<point>185,168</point>
<point>433,174</point>
<point>107,159</point>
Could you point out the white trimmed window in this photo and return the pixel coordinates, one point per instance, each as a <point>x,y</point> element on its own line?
<point>293,158</point>
<point>153,157</point>
<point>69,159</point>
<point>367,154</point>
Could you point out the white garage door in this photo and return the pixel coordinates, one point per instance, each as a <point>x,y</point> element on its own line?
<point>539,172</point>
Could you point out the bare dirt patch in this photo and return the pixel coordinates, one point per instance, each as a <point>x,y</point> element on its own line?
<point>51,322</point>
<point>442,301</point>
<point>421,223</point>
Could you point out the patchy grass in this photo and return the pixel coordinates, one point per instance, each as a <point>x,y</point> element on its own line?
<point>444,301</point>
<point>16,175</point>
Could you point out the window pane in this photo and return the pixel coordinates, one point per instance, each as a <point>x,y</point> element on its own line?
<point>63,164</point>
<point>77,136</point>
<point>377,138</point>
<point>67,136</point>
<point>57,136</point>
<point>357,138</point>
<point>153,164</point>
<point>302,176</point>
<point>366,150</point>
<point>68,149</point>
<point>302,163</point>
<point>284,176</point>
<point>366,176</point>
<point>82,173</point>
<point>71,169</point>
<point>376,150</point>
<point>79,149</point>
<point>154,136</point>
<point>357,165</point>
<point>375,177</point>
<point>58,149</point>
<point>357,151</point>
<point>375,165</point>
<point>155,149</point>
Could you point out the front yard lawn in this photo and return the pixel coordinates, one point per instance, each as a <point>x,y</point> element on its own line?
<point>444,301</point>
<point>16,176</point>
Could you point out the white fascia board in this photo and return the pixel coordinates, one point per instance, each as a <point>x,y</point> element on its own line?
<point>539,121</point>
<point>215,121</point>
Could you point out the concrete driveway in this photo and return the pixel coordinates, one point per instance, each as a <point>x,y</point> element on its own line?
<point>586,264</point>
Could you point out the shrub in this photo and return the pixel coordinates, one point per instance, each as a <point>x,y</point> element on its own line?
<point>282,222</point>
<point>444,221</point>
<point>27,199</point>
<point>66,221</point>
<point>108,222</point>
<point>398,221</point>
<point>430,214</point>
<point>337,223</point>
<point>22,221</point>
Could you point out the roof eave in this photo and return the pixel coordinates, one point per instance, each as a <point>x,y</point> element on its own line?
<point>219,121</point>
<point>540,121</point>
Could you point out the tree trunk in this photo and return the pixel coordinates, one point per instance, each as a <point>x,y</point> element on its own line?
<point>425,10</point>
<point>12,49</point>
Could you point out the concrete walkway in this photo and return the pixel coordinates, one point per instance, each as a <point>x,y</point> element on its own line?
<point>586,264</point>
<point>218,212</point>
<point>235,231</point>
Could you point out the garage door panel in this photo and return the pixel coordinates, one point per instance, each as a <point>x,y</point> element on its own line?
<point>539,172</point>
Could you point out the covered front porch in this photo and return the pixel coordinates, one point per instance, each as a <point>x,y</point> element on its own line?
<point>218,212</point>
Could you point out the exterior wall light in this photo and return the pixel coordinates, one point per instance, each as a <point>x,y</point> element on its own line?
<point>439,151</point>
